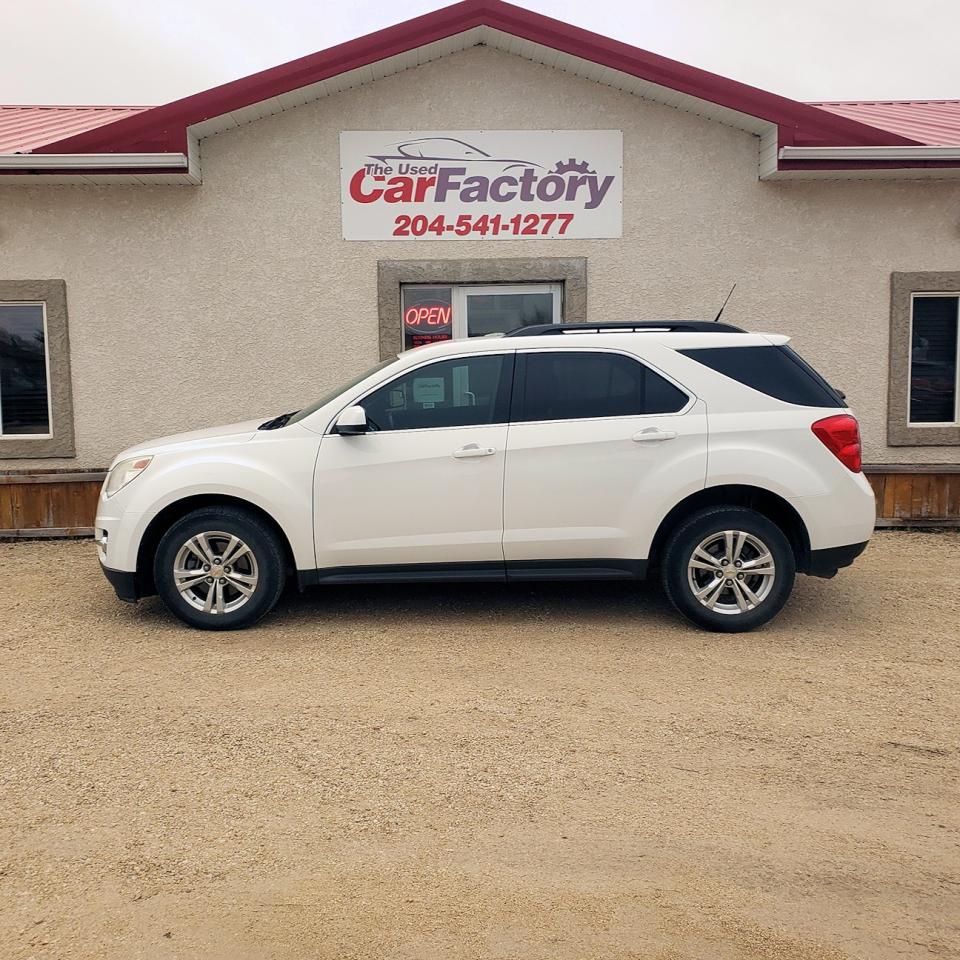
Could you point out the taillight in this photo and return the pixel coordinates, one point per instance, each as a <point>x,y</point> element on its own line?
<point>841,436</point>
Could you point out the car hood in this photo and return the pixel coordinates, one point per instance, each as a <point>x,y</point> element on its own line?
<point>228,433</point>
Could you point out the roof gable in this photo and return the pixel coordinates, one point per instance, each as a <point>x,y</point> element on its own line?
<point>829,140</point>
<point>166,128</point>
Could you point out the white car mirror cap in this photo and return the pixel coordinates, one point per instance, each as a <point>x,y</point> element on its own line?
<point>351,422</point>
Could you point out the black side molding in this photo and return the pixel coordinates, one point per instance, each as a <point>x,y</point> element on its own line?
<point>826,563</point>
<point>405,573</point>
<point>576,569</point>
<point>493,571</point>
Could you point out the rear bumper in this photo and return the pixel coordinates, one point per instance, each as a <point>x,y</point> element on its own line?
<point>124,583</point>
<point>825,563</point>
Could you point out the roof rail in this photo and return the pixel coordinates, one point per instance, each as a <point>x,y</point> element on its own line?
<point>666,326</point>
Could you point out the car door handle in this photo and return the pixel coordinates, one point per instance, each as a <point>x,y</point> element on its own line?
<point>473,450</point>
<point>654,435</point>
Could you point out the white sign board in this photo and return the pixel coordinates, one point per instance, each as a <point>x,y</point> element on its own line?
<point>428,390</point>
<point>481,184</point>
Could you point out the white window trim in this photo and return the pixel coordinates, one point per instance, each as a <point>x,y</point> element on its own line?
<point>460,294</point>
<point>46,360</point>
<point>956,387</point>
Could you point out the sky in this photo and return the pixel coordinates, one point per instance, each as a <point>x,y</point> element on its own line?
<point>130,52</point>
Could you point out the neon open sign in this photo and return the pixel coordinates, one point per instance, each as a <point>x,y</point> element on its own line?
<point>427,316</point>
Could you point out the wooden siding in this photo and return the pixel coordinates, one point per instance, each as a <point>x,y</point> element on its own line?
<point>916,497</point>
<point>50,503</point>
<point>64,504</point>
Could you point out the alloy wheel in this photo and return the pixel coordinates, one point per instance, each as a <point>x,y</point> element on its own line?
<point>215,572</point>
<point>731,572</point>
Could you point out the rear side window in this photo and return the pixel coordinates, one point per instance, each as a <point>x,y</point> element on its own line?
<point>571,385</point>
<point>776,371</point>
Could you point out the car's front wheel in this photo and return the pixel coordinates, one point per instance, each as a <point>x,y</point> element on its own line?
<point>219,568</point>
<point>728,569</point>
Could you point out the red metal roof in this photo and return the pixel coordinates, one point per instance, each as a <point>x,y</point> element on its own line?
<point>932,122</point>
<point>25,128</point>
<point>164,128</point>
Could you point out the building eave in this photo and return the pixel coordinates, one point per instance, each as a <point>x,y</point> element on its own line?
<point>92,161</point>
<point>894,153</point>
<point>865,163</point>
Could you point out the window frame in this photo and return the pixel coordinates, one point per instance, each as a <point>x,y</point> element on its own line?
<point>458,301</point>
<point>392,275</point>
<point>59,442</point>
<point>461,291</point>
<point>901,431</point>
<point>46,364</point>
<point>924,424</point>
<point>519,371</point>
<point>509,357</point>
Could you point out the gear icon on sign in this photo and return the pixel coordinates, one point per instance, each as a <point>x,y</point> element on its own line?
<point>572,166</point>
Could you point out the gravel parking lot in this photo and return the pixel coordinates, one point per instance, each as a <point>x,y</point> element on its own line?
<point>472,771</point>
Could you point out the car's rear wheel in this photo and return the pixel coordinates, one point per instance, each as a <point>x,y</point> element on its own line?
<point>219,568</point>
<point>728,569</point>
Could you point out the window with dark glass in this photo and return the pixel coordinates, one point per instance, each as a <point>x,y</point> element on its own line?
<point>777,371</point>
<point>571,385</point>
<point>24,390</point>
<point>434,312</point>
<point>427,316</point>
<point>933,359</point>
<point>449,393</point>
<point>497,312</point>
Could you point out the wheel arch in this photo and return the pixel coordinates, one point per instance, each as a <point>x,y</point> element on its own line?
<point>175,511</point>
<point>769,504</point>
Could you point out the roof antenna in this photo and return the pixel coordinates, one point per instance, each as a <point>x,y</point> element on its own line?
<point>716,319</point>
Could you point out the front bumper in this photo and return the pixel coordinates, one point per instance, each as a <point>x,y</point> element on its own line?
<point>124,583</point>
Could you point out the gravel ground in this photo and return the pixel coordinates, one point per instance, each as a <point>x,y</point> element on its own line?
<point>558,772</point>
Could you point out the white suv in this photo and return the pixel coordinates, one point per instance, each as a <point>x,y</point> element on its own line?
<point>719,458</point>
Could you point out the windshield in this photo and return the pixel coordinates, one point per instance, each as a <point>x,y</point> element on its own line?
<point>343,388</point>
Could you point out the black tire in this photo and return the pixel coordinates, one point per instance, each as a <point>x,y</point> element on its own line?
<point>262,568</point>
<point>712,523</point>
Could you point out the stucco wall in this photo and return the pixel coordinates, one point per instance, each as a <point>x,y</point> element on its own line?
<point>190,306</point>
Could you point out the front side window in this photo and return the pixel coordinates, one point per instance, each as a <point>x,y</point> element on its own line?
<point>24,378</point>
<point>571,385</point>
<point>933,359</point>
<point>468,391</point>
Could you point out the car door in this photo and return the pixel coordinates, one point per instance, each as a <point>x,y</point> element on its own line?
<point>600,446</point>
<point>425,485</point>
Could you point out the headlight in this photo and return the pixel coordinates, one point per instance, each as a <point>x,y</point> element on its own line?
<point>125,471</point>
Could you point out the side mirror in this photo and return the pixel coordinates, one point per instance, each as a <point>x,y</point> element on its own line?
<point>352,422</point>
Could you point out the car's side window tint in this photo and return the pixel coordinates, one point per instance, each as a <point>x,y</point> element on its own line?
<point>571,385</point>
<point>661,396</point>
<point>464,392</point>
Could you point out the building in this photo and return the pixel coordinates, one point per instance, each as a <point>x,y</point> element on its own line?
<point>241,251</point>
